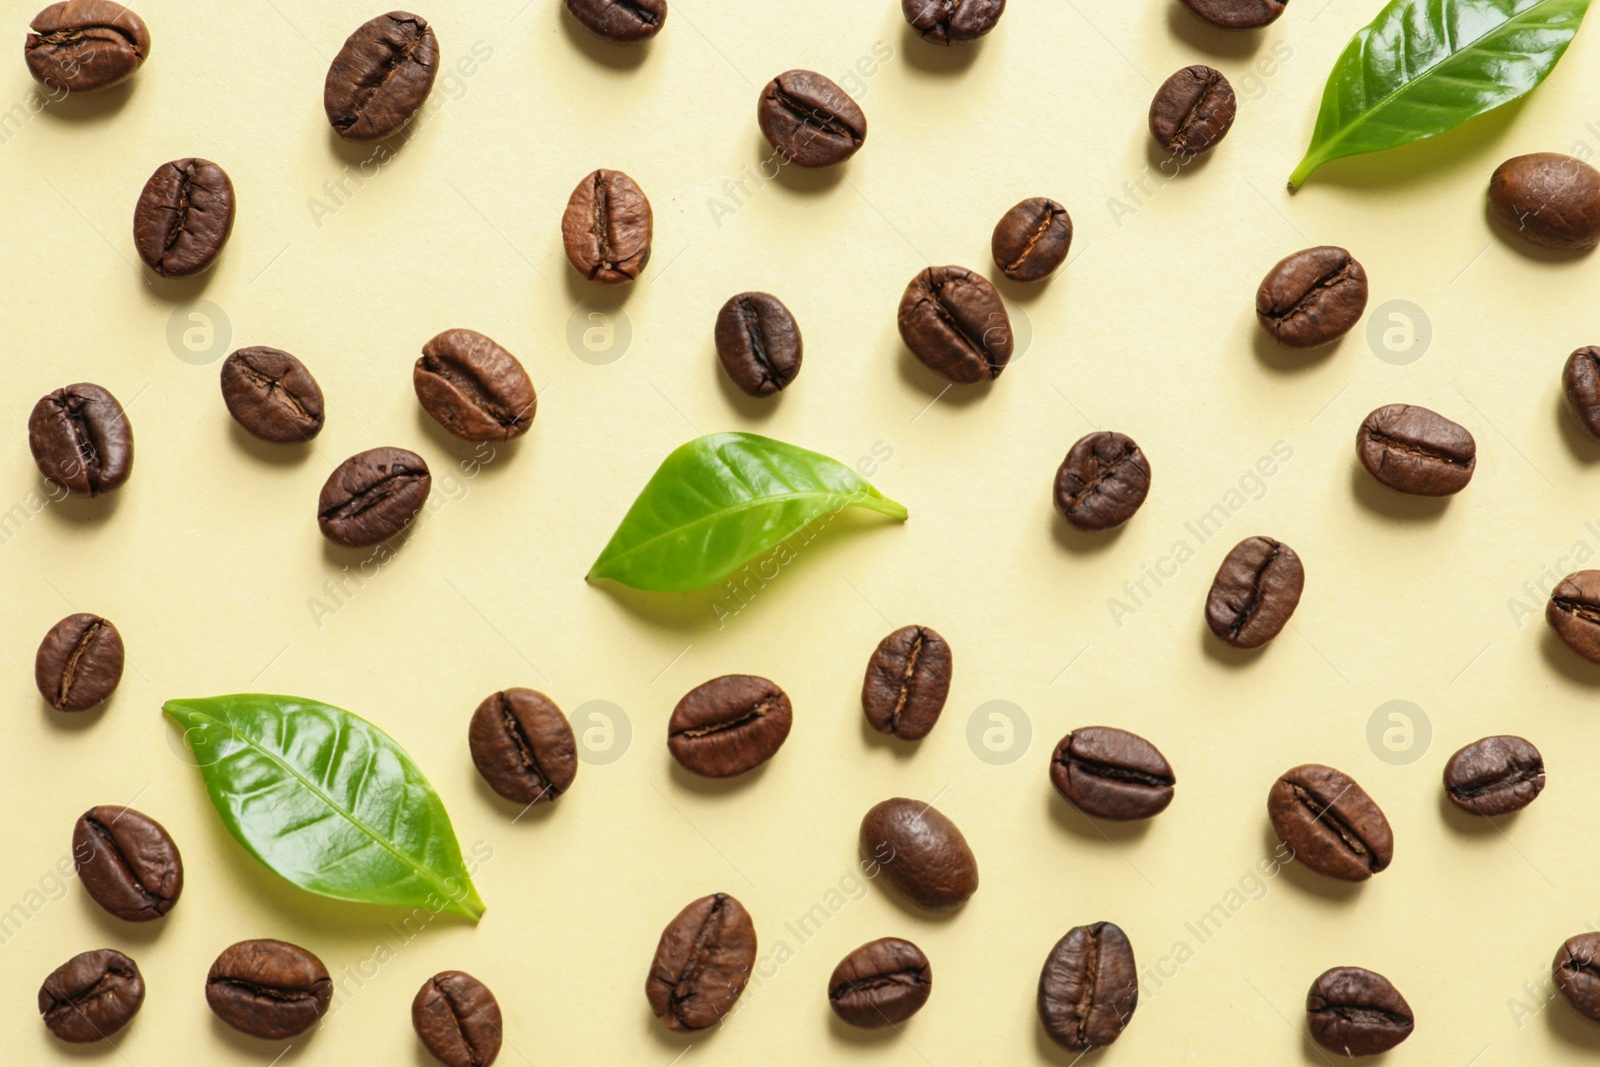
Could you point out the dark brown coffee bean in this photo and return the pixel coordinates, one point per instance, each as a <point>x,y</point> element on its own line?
<point>183,217</point>
<point>1580,381</point>
<point>954,321</point>
<point>1330,823</point>
<point>268,989</point>
<point>79,662</point>
<point>1031,240</point>
<point>701,964</point>
<point>729,725</point>
<point>1112,774</point>
<point>908,680</point>
<point>1417,451</point>
<point>1548,199</point>
<point>882,983</point>
<point>523,746</point>
<point>1237,14</point>
<point>758,342</point>
<point>1255,591</point>
<point>91,996</point>
<point>372,496</point>
<point>1573,612</point>
<point>1494,776</point>
<point>458,1020</point>
<point>84,46</point>
<point>623,21</point>
<point>1577,973</point>
<point>1089,987</point>
<point>607,228</point>
<point>809,120</point>
<point>381,76</point>
<point>1356,1012</point>
<point>1102,481</point>
<point>271,394</point>
<point>1312,297</point>
<point>921,853</point>
<point>1192,110</point>
<point>952,21</point>
<point>127,862</point>
<point>473,387</point>
<point>81,439</point>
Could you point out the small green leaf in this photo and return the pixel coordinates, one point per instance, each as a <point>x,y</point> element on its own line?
<point>721,500</point>
<point>327,800</point>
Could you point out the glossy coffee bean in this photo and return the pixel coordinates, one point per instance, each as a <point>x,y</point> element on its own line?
<point>372,496</point>
<point>473,387</point>
<point>81,439</point>
<point>1580,382</point>
<point>1417,451</point>
<point>1193,110</point>
<point>1089,987</point>
<point>1494,776</point>
<point>92,996</point>
<point>607,228</point>
<point>758,343</point>
<point>1255,591</point>
<point>1548,199</point>
<point>882,983</point>
<point>523,746</point>
<point>907,682</point>
<point>183,217</point>
<point>272,395</point>
<point>1312,297</point>
<point>702,964</point>
<point>1237,14</point>
<point>1356,1012</point>
<point>127,863</point>
<point>623,21</point>
<point>953,320</point>
<point>952,21</point>
<point>1330,823</point>
<point>1112,774</point>
<point>922,854</point>
<point>809,120</point>
<point>1102,482</point>
<point>79,662</point>
<point>1576,972</point>
<point>458,1020</point>
<point>729,725</point>
<point>381,76</point>
<point>1032,239</point>
<point>84,46</point>
<point>268,989</point>
<point>1573,612</point>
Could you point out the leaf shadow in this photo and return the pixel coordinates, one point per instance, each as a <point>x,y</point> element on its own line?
<point>1430,160</point>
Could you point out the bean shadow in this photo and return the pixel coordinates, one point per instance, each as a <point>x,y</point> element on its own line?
<point>754,408</point>
<point>254,1048</point>
<point>485,456</point>
<point>1082,542</point>
<point>1166,164</point>
<point>925,57</point>
<point>1219,651</point>
<point>806,181</point>
<point>341,558</point>
<point>613,55</point>
<point>1391,503</point>
<point>511,809</point>
<point>86,107</point>
<point>1510,238</point>
<point>859,1037</point>
<point>1568,663</point>
<point>1465,823</point>
<point>1052,1053</point>
<point>1284,359</point>
<point>181,290</point>
<point>935,385</point>
<point>897,747</point>
<point>1570,1028</point>
<point>1331,890</point>
<point>1022,292</point>
<point>699,784</point>
<point>1584,449</point>
<point>1189,28</point>
<point>76,510</point>
<point>1096,831</point>
<point>268,452</point>
<point>73,722</point>
<point>116,931</point>
<point>606,298</point>
<point>674,1045</point>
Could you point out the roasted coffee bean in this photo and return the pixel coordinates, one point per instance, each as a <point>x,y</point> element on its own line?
<point>372,496</point>
<point>954,321</point>
<point>473,387</point>
<point>1577,973</point>
<point>809,120</point>
<point>183,217</point>
<point>84,46</point>
<point>952,21</point>
<point>921,853</point>
<point>127,862</point>
<point>458,1020</point>
<point>81,439</point>
<point>1237,14</point>
<point>729,725</point>
<point>701,964</point>
<point>1192,110</point>
<point>758,342</point>
<point>1330,823</point>
<point>607,228</point>
<point>908,679</point>
<point>1102,481</point>
<point>1548,199</point>
<point>1031,240</point>
<point>882,983</point>
<point>1494,776</point>
<point>1573,612</point>
<point>79,662</point>
<point>1089,987</point>
<point>1580,381</point>
<point>271,394</point>
<point>91,996</point>
<point>1356,1012</point>
<point>1417,451</point>
<point>623,21</point>
<point>381,76</point>
<point>523,746</point>
<point>268,989</point>
<point>1312,297</point>
<point>1254,593</point>
<point>1112,774</point>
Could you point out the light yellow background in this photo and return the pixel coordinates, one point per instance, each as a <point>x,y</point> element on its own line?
<point>210,563</point>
